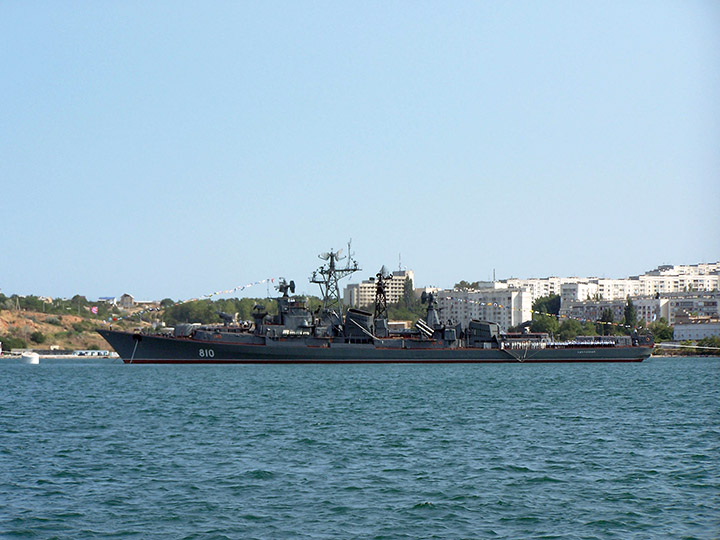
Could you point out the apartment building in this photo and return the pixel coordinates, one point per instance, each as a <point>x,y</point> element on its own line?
<point>698,304</point>
<point>505,306</point>
<point>539,287</point>
<point>578,291</point>
<point>363,294</point>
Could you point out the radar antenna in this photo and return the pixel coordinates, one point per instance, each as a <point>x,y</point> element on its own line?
<point>328,276</point>
<point>428,298</point>
<point>283,287</point>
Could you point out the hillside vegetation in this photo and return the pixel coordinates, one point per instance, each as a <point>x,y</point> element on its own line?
<point>37,330</point>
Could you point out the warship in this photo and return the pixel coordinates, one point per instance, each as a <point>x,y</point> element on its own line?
<point>333,335</point>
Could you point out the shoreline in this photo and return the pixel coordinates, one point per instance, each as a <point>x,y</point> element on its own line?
<point>111,356</point>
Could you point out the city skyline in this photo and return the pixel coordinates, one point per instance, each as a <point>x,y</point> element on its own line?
<point>254,289</point>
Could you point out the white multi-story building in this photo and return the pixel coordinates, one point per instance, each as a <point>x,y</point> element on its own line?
<point>505,306</point>
<point>539,287</point>
<point>363,294</point>
<point>616,289</point>
<point>685,269</point>
<point>578,291</point>
<point>650,284</point>
<point>649,308</point>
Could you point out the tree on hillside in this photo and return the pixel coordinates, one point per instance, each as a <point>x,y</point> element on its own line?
<point>206,311</point>
<point>544,323</point>
<point>661,330</point>
<point>712,341</point>
<point>12,342</point>
<point>606,326</point>
<point>31,303</point>
<point>589,329</point>
<point>77,302</point>
<point>200,311</point>
<point>570,329</point>
<point>630,314</point>
<point>547,304</point>
<point>408,300</point>
<point>397,312</point>
<point>465,285</point>
<point>79,299</point>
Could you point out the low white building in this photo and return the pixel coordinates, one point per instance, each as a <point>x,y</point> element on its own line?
<point>127,301</point>
<point>695,331</point>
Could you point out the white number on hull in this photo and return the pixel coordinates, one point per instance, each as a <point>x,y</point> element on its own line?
<point>207,353</point>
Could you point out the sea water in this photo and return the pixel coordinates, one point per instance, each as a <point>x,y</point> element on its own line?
<point>596,451</point>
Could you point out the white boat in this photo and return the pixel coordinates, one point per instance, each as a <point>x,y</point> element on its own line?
<point>30,358</point>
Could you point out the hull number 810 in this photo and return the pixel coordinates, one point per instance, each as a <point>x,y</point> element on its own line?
<point>207,353</point>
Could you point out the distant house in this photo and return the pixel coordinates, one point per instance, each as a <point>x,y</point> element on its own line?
<point>147,304</point>
<point>127,301</point>
<point>108,300</point>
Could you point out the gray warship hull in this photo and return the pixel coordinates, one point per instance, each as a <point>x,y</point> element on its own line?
<point>216,349</point>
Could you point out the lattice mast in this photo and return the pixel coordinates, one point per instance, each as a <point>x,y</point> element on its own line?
<point>328,276</point>
<point>381,282</point>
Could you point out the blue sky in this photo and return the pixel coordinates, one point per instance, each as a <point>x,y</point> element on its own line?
<point>172,149</point>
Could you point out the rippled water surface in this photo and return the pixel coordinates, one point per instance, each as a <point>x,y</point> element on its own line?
<point>394,451</point>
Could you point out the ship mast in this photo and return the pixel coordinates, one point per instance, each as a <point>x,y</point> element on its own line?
<point>382,278</point>
<point>327,277</point>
